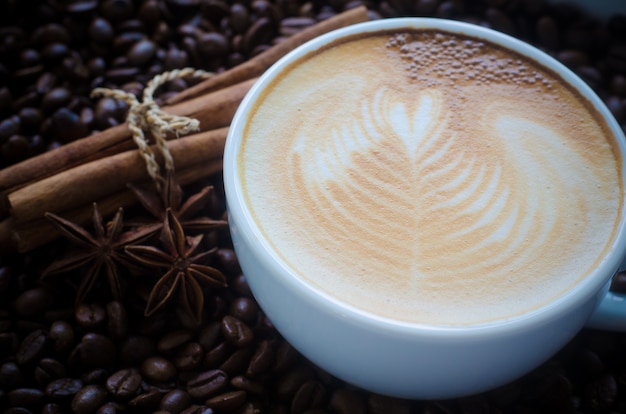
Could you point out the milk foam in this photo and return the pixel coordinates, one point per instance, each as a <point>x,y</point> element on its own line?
<point>425,198</point>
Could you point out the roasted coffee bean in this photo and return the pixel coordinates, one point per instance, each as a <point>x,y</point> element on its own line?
<point>198,409</point>
<point>216,356</point>
<point>101,31</point>
<point>235,58</point>
<point>616,106</point>
<point>117,320</point>
<point>18,410</point>
<point>52,408</point>
<point>86,116</point>
<point>289,383</point>
<point>259,33</point>
<point>55,99</point>
<point>244,309</point>
<point>110,408</point>
<point>240,286</point>
<point>347,401</point>
<point>239,17</point>
<point>228,261</point>
<point>81,7</point>
<point>124,383</point>
<point>88,399</point>
<point>591,75</point>
<point>16,147</point>
<point>10,375</point>
<point>5,98</point>
<point>548,32</point>
<point>572,58</point>
<point>227,402</point>
<point>106,113</point>
<point>237,362</point>
<point>117,10</point>
<point>45,83</point>
<point>25,397</point>
<point>262,360</point>
<point>63,389</point>
<point>67,125</point>
<point>32,347</point>
<point>8,127</point>
<point>218,306</point>
<point>149,12</point>
<point>94,350</point>
<point>146,402</point>
<point>618,85</point>
<point>30,119</point>
<point>175,58</point>
<point>213,44</point>
<point>189,356</point>
<point>311,394</point>
<point>286,357</point>
<point>209,335</point>
<point>48,370</point>
<point>292,25</point>
<point>500,21</point>
<point>50,33</point>
<point>175,401</point>
<point>244,383</point>
<point>207,384</point>
<point>61,334</point>
<point>189,30</point>
<point>141,53</point>
<point>158,369</point>
<point>236,332</point>
<point>174,339</point>
<point>253,407</point>
<point>131,25</point>
<point>121,75</point>
<point>90,316</point>
<point>96,66</point>
<point>95,376</point>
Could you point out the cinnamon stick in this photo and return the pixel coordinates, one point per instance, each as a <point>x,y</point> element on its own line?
<point>100,178</point>
<point>258,64</point>
<point>214,110</point>
<point>28,236</point>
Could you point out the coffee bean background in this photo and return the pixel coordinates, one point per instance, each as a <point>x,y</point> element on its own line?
<point>105,356</point>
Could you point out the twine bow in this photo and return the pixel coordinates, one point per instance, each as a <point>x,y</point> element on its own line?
<point>148,116</point>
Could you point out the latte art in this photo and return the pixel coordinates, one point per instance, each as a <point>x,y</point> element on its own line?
<point>426,197</point>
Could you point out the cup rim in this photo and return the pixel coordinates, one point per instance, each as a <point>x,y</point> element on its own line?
<point>576,296</point>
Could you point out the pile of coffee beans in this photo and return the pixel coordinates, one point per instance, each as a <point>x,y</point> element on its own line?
<point>105,356</point>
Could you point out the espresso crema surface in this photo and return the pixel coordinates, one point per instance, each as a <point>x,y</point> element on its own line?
<point>431,178</point>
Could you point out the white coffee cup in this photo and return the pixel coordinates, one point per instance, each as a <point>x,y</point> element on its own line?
<point>407,359</point>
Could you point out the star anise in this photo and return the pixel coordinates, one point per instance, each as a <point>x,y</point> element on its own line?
<point>184,272</point>
<point>171,197</point>
<point>102,251</point>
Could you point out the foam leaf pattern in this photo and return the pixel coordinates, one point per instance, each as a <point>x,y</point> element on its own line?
<point>443,204</point>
